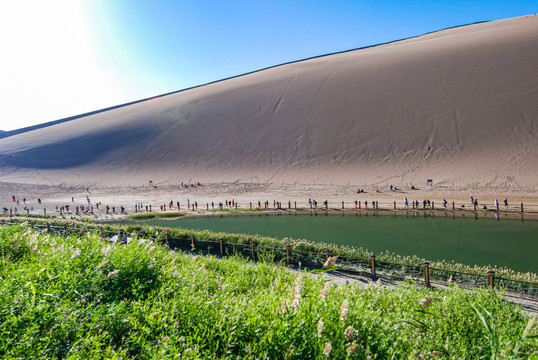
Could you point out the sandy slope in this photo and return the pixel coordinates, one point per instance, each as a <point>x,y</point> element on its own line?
<point>458,106</point>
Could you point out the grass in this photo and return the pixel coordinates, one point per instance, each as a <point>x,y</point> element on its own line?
<point>80,297</point>
<point>234,210</point>
<point>152,215</point>
<point>296,244</point>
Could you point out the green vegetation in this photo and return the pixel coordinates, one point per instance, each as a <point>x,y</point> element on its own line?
<point>152,215</point>
<point>234,210</point>
<point>295,244</point>
<point>80,297</point>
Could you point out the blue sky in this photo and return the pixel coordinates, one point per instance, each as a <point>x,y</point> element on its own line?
<point>66,57</point>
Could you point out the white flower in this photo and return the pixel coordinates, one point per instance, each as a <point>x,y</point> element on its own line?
<point>320,327</point>
<point>344,310</point>
<point>112,274</point>
<point>327,348</point>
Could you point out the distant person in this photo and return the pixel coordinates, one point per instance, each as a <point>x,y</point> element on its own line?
<point>406,203</point>
<point>505,202</point>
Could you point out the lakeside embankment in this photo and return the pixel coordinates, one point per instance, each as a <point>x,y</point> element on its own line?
<point>96,299</point>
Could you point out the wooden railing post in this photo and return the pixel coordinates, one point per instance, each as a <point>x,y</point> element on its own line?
<point>427,273</point>
<point>192,241</point>
<point>342,204</point>
<point>252,250</point>
<point>287,254</point>
<point>394,205</point>
<point>453,206</point>
<point>521,207</point>
<point>48,227</point>
<point>491,279</point>
<point>372,264</point>
<point>221,243</point>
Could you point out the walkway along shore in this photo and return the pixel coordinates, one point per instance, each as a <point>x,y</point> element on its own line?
<point>338,268</point>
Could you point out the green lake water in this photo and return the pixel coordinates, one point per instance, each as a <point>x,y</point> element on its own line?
<point>483,241</point>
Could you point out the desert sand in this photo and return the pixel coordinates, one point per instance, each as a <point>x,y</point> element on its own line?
<point>458,106</point>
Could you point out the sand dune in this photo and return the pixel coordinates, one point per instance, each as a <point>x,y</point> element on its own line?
<point>458,106</point>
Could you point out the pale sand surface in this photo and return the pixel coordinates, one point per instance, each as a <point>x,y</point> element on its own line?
<point>244,194</point>
<point>458,106</point>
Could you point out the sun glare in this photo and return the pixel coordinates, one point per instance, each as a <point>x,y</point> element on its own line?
<point>50,68</point>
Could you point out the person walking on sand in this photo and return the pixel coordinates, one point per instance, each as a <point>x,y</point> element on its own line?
<point>406,203</point>
<point>506,202</point>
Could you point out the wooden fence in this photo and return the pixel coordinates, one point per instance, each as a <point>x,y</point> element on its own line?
<point>375,205</point>
<point>370,267</point>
